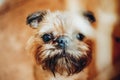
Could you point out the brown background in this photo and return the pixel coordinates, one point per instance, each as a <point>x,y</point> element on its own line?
<point>15,63</point>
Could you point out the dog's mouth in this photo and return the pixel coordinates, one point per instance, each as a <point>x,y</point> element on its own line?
<point>62,62</point>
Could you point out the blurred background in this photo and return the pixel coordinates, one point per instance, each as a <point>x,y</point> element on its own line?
<point>17,64</point>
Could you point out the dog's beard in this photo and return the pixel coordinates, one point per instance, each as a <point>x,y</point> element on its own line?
<point>63,61</point>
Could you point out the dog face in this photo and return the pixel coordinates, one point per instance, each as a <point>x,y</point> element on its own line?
<point>62,42</point>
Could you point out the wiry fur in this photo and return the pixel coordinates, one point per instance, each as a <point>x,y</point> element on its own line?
<point>76,56</point>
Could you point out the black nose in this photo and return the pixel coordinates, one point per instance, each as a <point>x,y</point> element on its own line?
<point>62,42</point>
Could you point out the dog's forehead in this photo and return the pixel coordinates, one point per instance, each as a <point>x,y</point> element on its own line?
<point>66,22</point>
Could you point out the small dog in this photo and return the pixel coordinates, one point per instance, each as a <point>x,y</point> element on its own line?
<point>62,43</point>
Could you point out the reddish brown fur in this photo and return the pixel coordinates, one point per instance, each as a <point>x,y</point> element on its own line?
<point>12,24</point>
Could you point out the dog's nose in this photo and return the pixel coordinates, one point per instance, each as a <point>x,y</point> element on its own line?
<point>62,42</point>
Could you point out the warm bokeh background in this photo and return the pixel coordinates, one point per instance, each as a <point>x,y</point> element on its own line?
<point>17,64</point>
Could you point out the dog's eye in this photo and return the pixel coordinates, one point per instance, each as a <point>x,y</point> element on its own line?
<point>47,37</point>
<point>80,36</point>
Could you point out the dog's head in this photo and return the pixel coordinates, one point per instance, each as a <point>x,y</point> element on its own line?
<point>63,40</point>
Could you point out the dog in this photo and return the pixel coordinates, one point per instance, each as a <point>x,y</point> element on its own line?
<point>62,43</point>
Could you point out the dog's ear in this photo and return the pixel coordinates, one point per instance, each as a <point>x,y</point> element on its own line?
<point>90,16</point>
<point>35,18</point>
